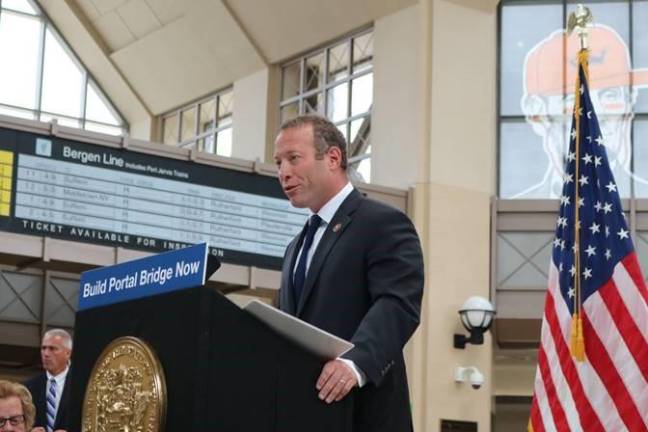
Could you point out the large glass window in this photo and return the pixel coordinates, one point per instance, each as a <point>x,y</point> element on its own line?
<point>537,67</point>
<point>41,79</point>
<point>537,76</point>
<point>337,82</point>
<point>205,125</point>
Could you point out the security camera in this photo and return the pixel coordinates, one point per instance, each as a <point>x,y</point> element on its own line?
<point>476,379</point>
<point>470,373</point>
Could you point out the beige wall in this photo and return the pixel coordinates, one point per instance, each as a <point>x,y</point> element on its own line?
<point>395,125</point>
<point>514,378</point>
<point>433,130</point>
<point>463,114</point>
<point>461,179</point>
<point>511,417</point>
<point>250,116</point>
<point>457,261</point>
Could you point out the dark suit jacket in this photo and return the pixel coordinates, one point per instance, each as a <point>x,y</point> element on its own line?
<point>365,284</point>
<point>37,388</point>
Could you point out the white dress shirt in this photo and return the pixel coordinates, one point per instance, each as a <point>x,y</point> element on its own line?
<point>60,383</point>
<point>327,212</point>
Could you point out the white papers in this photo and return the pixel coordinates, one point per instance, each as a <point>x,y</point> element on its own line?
<point>311,338</point>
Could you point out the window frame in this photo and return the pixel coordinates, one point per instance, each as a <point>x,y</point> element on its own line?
<point>38,112</point>
<point>357,152</point>
<point>504,118</point>
<point>221,123</point>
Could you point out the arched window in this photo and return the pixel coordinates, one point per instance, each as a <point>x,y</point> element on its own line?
<point>41,78</point>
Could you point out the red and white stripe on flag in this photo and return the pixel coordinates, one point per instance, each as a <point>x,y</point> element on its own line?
<point>609,390</point>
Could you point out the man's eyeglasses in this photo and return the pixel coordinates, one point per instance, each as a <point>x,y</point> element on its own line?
<point>13,420</point>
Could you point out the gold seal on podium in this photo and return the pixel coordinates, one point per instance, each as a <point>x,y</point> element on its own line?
<point>126,390</point>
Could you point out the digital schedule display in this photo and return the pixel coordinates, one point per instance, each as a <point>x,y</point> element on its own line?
<point>83,192</point>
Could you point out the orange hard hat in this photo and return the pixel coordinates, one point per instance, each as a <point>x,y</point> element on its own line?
<point>547,74</point>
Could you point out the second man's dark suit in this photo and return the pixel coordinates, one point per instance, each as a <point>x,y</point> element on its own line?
<point>365,284</point>
<point>37,388</point>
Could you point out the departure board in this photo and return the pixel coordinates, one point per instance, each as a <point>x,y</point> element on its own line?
<point>92,193</point>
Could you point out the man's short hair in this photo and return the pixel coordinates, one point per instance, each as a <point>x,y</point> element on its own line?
<point>325,134</point>
<point>10,389</point>
<point>65,336</point>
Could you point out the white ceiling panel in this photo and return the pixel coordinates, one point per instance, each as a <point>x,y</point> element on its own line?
<point>104,6</point>
<point>89,9</point>
<point>168,10</point>
<point>194,55</point>
<point>113,31</point>
<point>285,28</point>
<point>139,18</point>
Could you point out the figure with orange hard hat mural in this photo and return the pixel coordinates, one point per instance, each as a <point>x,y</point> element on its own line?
<point>547,102</point>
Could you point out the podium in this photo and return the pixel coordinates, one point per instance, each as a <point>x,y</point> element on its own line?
<point>224,369</point>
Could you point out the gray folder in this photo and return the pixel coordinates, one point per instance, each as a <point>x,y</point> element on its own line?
<point>311,338</point>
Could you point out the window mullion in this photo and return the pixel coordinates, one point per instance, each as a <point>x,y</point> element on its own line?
<point>41,68</point>
<point>197,122</point>
<point>302,84</point>
<point>216,122</point>
<point>327,54</point>
<point>349,93</point>
<point>179,138</point>
<point>84,99</point>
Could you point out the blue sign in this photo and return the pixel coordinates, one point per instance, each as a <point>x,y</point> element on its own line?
<point>157,274</point>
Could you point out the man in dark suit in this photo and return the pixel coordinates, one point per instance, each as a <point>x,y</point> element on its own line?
<point>50,389</point>
<point>356,271</point>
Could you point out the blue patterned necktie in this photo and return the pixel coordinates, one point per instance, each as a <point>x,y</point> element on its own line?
<point>300,272</point>
<point>51,405</point>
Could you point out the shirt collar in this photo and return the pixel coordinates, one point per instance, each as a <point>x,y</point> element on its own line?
<point>329,209</point>
<point>60,377</point>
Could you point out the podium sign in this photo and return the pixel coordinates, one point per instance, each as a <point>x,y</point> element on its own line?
<point>219,362</point>
<point>144,277</point>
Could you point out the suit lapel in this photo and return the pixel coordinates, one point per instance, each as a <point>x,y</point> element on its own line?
<point>287,301</point>
<point>62,407</point>
<point>333,232</point>
<point>42,398</point>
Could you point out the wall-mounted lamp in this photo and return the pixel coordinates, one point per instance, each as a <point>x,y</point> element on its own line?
<point>476,316</point>
<point>470,373</point>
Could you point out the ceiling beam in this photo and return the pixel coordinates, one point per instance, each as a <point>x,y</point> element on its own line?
<point>246,33</point>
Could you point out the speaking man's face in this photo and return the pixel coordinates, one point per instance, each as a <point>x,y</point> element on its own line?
<point>305,177</point>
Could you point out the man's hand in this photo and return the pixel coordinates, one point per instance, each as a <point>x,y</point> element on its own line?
<point>336,381</point>
<point>38,429</point>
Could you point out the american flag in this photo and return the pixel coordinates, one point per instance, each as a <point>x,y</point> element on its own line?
<point>607,389</point>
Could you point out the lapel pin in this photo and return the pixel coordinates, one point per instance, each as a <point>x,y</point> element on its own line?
<point>337,227</point>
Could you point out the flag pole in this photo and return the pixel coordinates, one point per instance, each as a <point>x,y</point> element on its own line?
<point>578,21</point>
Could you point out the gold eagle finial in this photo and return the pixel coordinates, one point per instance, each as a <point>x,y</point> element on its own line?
<point>578,21</point>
